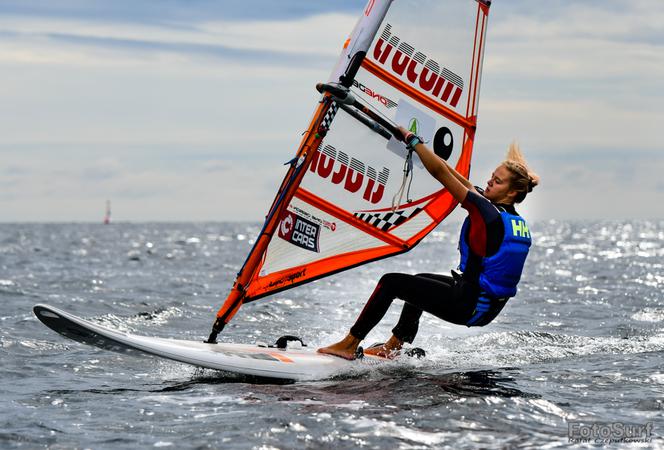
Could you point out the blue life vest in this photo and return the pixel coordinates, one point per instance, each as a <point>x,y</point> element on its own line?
<point>501,272</point>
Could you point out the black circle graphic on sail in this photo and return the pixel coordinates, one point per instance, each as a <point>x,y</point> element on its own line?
<point>443,142</point>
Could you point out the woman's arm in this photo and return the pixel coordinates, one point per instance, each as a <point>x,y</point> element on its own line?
<point>460,177</point>
<point>441,171</point>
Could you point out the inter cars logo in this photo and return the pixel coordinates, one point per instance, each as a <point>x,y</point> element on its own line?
<point>286,225</point>
<point>414,66</point>
<point>299,231</point>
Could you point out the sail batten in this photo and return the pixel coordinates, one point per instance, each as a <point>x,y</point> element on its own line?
<point>334,208</point>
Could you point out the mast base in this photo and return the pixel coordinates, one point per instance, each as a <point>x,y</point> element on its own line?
<point>216,329</point>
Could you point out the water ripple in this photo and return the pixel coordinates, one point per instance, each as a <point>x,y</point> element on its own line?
<point>583,340</point>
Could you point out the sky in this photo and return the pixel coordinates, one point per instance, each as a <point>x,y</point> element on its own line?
<point>185,110</point>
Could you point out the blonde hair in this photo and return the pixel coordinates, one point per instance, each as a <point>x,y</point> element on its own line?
<point>523,180</point>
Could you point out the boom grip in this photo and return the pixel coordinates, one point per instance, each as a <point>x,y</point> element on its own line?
<point>343,96</point>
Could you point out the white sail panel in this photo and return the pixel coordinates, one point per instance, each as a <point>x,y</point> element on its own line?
<point>421,71</point>
<point>414,63</point>
<point>431,46</point>
<point>307,234</point>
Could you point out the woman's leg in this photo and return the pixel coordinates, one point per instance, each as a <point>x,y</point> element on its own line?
<point>439,295</point>
<point>421,292</point>
<point>406,328</point>
<point>389,287</point>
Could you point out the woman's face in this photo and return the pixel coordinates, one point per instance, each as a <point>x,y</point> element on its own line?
<point>498,187</point>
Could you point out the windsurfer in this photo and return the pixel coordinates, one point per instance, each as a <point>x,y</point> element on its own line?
<point>494,243</point>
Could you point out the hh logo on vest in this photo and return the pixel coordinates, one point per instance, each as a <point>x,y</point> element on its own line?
<point>520,229</point>
<point>299,231</point>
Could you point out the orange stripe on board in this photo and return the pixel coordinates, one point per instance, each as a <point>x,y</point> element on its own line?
<point>416,95</point>
<point>281,358</point>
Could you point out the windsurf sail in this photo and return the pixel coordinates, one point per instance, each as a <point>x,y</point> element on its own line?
<point>345,200</point>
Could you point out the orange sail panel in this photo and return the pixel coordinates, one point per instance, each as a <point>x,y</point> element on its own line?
<point>420,68</point>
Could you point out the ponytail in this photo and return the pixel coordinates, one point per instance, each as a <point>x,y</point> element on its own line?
<point>523,180</point>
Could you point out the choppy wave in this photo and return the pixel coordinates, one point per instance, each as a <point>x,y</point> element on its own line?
<point>582,341</point>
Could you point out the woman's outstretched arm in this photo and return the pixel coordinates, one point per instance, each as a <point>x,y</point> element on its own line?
<point>455,183</point>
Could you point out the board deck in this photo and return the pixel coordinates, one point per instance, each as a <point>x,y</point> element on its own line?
<point>286,364</point>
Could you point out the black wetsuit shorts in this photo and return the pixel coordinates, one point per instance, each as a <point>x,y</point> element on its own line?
<point>450,298</point>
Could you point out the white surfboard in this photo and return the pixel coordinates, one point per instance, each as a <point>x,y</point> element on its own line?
<point>262,361</point>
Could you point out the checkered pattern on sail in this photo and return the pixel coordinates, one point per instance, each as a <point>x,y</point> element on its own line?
<point>388,220</point>
<point>329,117</point>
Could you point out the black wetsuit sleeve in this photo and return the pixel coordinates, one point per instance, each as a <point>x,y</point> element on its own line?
<point>486,229</point>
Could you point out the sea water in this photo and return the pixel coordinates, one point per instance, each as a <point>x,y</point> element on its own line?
<point>581,347</point>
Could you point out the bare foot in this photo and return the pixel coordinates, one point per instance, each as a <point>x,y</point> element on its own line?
<point>389,350</point>
<point>346,348</point>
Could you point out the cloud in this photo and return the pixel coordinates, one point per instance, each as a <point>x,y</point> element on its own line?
<point>562,126</point>
<point>141,187</point>
<point>216,166</point>
<point>602,47</point>
<point>165,108</point>
<point>635,21</point>
<point>574,79</point>
<point>174,12</point>
<point>264,43</point>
